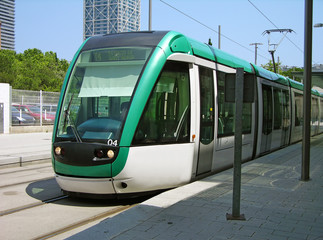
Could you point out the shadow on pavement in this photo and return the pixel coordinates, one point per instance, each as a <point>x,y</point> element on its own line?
<point>44,190</point>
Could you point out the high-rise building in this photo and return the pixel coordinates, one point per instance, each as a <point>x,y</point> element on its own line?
<point>110,16</point>
<point>7,24</point>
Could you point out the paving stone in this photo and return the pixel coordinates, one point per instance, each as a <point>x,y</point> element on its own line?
<point>277,205</point>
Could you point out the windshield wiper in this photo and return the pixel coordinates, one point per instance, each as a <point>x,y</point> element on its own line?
<point>69,120</point>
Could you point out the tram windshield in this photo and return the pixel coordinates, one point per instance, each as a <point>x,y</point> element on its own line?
<point>98,94</point>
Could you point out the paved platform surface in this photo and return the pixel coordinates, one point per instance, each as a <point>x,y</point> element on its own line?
<point>24,147</point>
<point>276,204</point>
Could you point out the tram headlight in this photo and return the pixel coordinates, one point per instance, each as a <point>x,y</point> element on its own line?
<point>59,151</point>
<point>110,154</point>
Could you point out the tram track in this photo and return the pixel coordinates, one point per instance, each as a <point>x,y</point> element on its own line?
<point>32,205</point>
<point>33,201</point>
<point>21,169</point>
<point>25,182</point>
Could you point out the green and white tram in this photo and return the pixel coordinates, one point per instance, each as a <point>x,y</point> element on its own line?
<point>146,111</point>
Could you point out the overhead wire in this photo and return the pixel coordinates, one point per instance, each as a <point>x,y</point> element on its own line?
<point>278,28</point>
<point>274,24</point>
<point>213,30</point>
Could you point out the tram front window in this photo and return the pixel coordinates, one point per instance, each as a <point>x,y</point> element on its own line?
<point>98,94</point>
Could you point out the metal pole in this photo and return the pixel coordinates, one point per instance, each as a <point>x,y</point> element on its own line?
<point>256,47</point>
<point>150,16</point>
<point>237,148</point>
<point>307,91</point>
<point>273,58</point>
<point>41,107</point>
<point>219,37</point>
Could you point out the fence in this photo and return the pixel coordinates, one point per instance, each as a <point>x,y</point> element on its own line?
<point>33,107</point>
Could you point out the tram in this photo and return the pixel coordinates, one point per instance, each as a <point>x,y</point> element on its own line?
<point>146,111</point>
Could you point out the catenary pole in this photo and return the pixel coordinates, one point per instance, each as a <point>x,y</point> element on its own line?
<point>150,15</point>
<point>219,37</point>
<point>305,175</point>
<point>256,47</point>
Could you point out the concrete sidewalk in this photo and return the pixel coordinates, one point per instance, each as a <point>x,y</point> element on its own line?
<point>276,204</point>
<point>24,147</point>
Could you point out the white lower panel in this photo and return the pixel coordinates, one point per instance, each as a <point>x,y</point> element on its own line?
<point>86,185</point>
<point>155,167</point>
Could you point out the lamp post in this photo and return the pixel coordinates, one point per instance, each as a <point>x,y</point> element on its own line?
<point>317,25</point>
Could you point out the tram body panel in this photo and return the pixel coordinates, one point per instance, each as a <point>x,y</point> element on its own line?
<point>85,185</point>
<point>225,151</point>
<point>156,167</point>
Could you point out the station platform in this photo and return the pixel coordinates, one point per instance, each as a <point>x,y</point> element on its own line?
<point>20,148</point>
<point>276,204</point>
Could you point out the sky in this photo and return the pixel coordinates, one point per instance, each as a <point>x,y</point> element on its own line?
<point>57,25</point>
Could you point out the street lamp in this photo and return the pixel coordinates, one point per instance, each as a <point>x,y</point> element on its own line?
<point>317,25</point>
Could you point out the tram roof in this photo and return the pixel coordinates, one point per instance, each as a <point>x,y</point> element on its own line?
<point>315,92</point>
<point>295,84</point>
<point>178,44</point>
<point>124,40</point>
<point>261,72</point>
<point>214,54</point>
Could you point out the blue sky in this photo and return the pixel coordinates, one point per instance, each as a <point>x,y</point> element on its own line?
<point>57,25</point>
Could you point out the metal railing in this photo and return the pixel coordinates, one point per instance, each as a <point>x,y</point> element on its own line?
<point>33,107</point>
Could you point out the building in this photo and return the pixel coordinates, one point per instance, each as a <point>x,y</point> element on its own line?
<point>110,16</point>
<point>7,24</point>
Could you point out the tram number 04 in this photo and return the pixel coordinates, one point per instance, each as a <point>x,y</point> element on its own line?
<point>111,142</point>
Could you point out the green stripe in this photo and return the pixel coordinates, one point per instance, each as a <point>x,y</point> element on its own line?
<point>84,171</point>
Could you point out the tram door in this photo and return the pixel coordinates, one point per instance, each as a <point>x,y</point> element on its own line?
<point>267,118</point>
<point>204,164</point>
<point>286,118</point>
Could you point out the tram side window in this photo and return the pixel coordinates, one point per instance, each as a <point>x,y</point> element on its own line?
<point>226,112</point>
<point>166,118</point>
<point>277,109</point>
<point>286,110</point>
<point>315,111</point>
<point>298,109</point>
<point>207,105</point>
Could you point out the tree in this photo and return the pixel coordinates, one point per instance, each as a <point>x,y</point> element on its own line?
<point>289,74</point>
<point>269,66</point>
<point>32,70</point>
<point>8,66</point>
